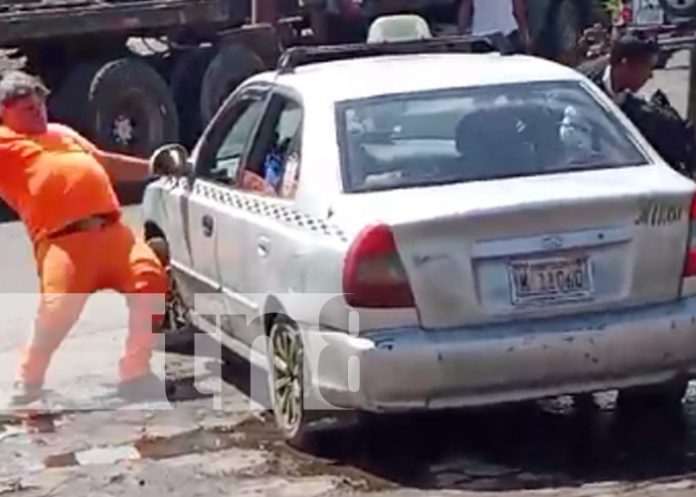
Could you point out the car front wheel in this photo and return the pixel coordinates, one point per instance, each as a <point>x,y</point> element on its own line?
<point>177,328</point>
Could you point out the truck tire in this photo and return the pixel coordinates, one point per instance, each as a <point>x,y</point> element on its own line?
<point>679,8</point>
<point>186,81</point>
<point>231,65</point>
<point>122,105</point>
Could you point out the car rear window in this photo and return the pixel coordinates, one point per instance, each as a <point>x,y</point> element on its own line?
<point>467,134</point>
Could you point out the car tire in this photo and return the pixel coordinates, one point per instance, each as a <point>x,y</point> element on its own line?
<point>679,8</point>
<point>231,65</point>
<point>286,383</point>
<point>124,105</point>
<point>666,396</point>
<point>177,328</point>
<point>186,81</point>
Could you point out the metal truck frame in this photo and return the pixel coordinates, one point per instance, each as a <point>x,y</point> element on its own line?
<point>132,95</point>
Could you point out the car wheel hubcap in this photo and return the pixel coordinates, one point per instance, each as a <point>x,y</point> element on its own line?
<point>287,368</point>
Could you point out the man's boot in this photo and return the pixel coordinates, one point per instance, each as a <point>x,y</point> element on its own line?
<point>144,388</point>
<point>24,394</point>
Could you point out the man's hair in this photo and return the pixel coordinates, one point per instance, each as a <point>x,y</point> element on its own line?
<point>633,47</point>
<point>18,84</point>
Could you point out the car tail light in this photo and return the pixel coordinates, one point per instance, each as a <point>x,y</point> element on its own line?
<point>373,274</point>
<point>690,265</point>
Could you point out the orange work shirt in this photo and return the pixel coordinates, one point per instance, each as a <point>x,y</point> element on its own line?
<point>53,179</point>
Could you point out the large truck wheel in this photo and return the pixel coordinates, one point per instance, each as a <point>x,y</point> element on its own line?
<point>231,65</point>
<point>123,105</point>
<point>186,80</point>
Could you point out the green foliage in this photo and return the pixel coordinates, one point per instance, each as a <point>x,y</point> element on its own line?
<point>612,8</point>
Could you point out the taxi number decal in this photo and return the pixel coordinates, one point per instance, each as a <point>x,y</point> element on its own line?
<point>654,214</point>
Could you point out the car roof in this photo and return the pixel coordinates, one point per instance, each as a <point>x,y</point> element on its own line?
<point>382,75</point>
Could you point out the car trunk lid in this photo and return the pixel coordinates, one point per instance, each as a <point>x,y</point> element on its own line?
<point>537,246</point>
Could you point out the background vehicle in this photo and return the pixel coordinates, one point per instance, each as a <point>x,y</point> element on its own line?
<point>663,18</point>
<point>133,75</point>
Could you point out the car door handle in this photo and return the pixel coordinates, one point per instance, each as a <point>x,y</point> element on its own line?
<point>263,246</point>
<point>207,223</point>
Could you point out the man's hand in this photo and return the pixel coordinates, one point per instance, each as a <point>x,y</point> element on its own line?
<point>253,182</point>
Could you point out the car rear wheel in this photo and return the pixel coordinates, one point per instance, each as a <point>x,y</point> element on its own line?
<point>286,376</point>
<point>663,396</point>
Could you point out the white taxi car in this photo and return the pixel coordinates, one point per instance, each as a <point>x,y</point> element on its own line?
<point>500,229</point>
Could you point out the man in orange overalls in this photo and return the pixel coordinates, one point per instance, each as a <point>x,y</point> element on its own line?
<point>60,185</point>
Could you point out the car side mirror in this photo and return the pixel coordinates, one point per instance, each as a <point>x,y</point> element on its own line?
<point>170,160</point>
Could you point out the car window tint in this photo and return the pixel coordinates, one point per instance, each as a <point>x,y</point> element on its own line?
<point>229,156</point>
<point>468,134</point>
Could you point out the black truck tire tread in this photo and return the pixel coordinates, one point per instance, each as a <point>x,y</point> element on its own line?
<point>118,74</point>
<point>186,79</point>
<point>231,65</point>
<point>69,104</point>
<point>91,89</point>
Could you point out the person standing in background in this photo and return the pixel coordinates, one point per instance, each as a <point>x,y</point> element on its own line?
<point>509,17</point>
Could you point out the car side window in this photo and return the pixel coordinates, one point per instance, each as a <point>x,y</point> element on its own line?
<point>274,162</point>
<point>229,144</point>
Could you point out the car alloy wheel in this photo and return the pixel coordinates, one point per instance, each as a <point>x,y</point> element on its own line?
<point>286,376</point>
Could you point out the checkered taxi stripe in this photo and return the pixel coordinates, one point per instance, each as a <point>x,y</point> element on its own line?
<point>266,208</point>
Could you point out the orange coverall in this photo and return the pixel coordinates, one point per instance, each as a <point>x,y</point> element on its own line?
<point>52,180</point>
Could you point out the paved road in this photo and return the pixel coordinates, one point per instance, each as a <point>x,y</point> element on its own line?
<point>196,447</point>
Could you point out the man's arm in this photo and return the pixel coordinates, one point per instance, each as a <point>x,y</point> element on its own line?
<point>123,167</point>
<point>465,15</point>
<point>119,167</point>
<point>519,10</point>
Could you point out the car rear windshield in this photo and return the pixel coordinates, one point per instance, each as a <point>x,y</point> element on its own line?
<point>467,134</point>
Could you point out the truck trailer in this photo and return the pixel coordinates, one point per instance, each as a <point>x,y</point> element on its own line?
<point>134,74</point>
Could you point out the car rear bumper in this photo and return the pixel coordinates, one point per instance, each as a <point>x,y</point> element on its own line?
<point>405,369</point>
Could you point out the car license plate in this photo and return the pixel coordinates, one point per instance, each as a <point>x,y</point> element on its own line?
<point>550,281</point>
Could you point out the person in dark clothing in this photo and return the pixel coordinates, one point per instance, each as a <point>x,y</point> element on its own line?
<point>628,66</point>
<point>621,74</point>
